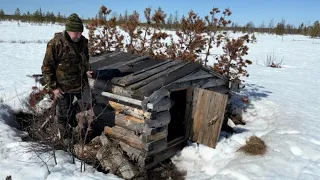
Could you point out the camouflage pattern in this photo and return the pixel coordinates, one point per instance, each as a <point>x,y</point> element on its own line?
<point>65,63</point>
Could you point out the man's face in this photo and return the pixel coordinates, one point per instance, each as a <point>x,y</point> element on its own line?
<point>75,36</point>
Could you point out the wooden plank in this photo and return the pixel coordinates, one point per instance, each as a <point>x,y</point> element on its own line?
<point>188,114</point>
<point>219,114</point>
<point>168,78</point>
<point>157,76</point>
<point>124,63</point>
<point>201,74</point>
<point>133,78</point>
<point>208,117</point>
<point>111,60</point>
<point>140,67</point>
<point>136,67</point>
<point>160,63</point>
<point>204,101</point>
<point>214,82</point>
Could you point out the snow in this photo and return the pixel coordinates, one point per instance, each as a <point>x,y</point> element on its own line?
<point>283,111</point>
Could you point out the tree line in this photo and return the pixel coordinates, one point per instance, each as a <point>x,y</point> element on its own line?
<point>172,21</point>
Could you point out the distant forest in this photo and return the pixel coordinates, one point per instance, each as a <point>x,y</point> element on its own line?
<point>173,21</point>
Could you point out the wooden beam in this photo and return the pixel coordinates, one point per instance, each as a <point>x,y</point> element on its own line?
<point>124,63</point>
<point>133,78</point>
<point>130,138</point>
<point>214,83</point>
<point>129,110</point>
<point>125,99</point>
<point>168,78</point>
<point>201,74</point>
<point>154,77</point>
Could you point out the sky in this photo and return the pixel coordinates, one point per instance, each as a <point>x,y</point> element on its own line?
<point>258,11</point>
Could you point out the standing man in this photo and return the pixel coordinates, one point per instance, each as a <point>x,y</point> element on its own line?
<point>66,70</point>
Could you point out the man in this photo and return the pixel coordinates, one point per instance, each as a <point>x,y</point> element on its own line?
<point>66,70</point>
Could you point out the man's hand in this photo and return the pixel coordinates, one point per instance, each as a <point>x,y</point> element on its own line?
<point>90,74</point>
<point>57,93</point>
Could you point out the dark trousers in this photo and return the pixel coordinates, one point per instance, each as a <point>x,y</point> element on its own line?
<point>66,109</point>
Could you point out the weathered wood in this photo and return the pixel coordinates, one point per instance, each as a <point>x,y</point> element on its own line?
<point>156,96</point>
<point>133,78</point>
<point>124,63</point>
<point>172,148</point>
<point>208,117</point>
<point>157,76</point>
<point>121,57</point>
<point>125,136</point>
<point>188,114</point>
<point>125,99</point>
<point>130,138</point>
<point>201,74</point>
<point>160,106</point>
<point>168,78</point>
<point>136,67</point>
<point>163,105</point>
<point>220,89</point>
<point>154,137</point>
<point>111,158</point>
<point>103,56</point>
<point>135,155</point>
<point>160,63</point>
<point>214,83</point>
<point>162,119</point>
<point>131,111</point>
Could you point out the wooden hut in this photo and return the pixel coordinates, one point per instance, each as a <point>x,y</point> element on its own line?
<point>151,107</point>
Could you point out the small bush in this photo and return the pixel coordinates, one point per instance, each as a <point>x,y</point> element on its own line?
<point>253,39</point>
<point>254,146</point>
<point>272,61</point>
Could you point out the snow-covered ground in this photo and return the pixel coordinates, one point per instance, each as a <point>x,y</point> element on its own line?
<point>283,112</point>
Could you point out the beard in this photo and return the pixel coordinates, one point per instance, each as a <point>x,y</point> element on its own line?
<point>75,39</point>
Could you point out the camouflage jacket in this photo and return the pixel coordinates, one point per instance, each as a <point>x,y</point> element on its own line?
<point>65,63</point>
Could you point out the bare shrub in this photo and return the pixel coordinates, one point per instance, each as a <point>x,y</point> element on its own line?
<point>108,37</point>
<point>272,61</point>
<point>254,146</point>
<point>231,63</point>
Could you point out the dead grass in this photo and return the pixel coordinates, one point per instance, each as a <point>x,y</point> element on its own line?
<point>254,146</point>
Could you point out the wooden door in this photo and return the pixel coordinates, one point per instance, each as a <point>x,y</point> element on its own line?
<point>205,114</point>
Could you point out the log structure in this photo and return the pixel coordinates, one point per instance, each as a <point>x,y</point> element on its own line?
<point>148,106</point>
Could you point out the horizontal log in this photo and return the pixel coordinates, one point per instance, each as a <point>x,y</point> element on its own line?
<point>130,138</point>
<point>128,110</point>
<point>135,155</point>
<point>162,119</point>
<point>125,99</point>
<point>125,136</point>
<point>163,105</point>
<point>154,137</point>
<point>111,158</point>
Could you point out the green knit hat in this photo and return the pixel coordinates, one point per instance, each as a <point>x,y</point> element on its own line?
<point>74,23</point>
